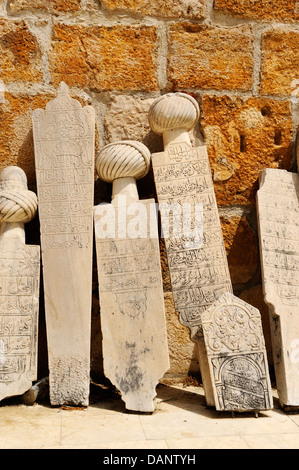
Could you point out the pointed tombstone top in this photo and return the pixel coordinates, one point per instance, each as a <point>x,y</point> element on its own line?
<point>63,89</point>
<point>173,111</point>
<point>123,159</point>
<point>17,203</point>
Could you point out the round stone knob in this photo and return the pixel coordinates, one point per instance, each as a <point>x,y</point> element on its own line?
<point>17,203</point>
<point>173,111</point>
<point>124,159</point>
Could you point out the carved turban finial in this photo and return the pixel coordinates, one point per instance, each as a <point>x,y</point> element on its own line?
<point>17,203</point>
<point>173,111</point>
<point>123,159</point>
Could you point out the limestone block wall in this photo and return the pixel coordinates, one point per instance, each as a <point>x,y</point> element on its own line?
<point>238,58</point>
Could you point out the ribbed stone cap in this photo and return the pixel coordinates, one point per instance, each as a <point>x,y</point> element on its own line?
<point>127,158</point>
<point>17,203</point>
<point>173,111</point>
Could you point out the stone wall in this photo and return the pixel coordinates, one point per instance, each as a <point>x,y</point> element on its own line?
<point>238,58</point>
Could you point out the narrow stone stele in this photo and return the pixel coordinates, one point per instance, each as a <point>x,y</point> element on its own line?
<point>237,357</point>
<point>278,223</point>
<point>135,351</point>
<point>196,255</point>
<point>64,143</point>
<point>19,285</point>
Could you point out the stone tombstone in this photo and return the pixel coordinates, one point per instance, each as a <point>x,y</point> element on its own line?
<point>198,267</point>
<point>135,350</point>
<point>64,143</point>
<point>196,255</point>
<point>237,357</point>
<point>19,285</point>
<point>278,223</point>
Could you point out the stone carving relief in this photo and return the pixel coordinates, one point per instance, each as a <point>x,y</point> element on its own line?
<point>237,358</point>
<point>197,260</point>
<point>133,321</point>
<point>64,143</point>
<point>19,285</point>
<point>278,222</point>
<point>198,271</point>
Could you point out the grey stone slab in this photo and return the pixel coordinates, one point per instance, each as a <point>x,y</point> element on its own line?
<point>64,138</point>
<point>197,263</point>
<point>196,254</point>
<point>278,222</point>
<point>133,320</point>
<point>237,357</point>
<point>19,286</point>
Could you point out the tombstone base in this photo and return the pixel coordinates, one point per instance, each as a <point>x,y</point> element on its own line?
<point>68,382</point>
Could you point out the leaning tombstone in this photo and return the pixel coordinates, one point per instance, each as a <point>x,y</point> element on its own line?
<point>237,357</point>
<point>135,351</point>
<point>19,285</point>
<point>196,255</point>
<point>64,138</point>
<point>278,222</point>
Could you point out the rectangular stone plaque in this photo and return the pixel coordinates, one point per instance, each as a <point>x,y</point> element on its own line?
<point>278,221</point>
<point>19,307</point>
<point>199,272</point>
<point>237,357</point>
<point>133,320</point>
<point>64,137</point>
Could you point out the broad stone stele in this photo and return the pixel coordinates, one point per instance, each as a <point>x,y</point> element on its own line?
<point>19,285</point>
<point>278,222</point>
<point>135,352</point>
<point>196,255</point>
<point>64,138</point>
<point>237,358</point>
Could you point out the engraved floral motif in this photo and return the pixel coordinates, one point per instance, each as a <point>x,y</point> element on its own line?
<point>232,328</point>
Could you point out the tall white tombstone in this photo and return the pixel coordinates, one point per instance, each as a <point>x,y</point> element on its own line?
<point>237,356</point>
<point>19,285</point>
<point>135,352</point>
<point>278,221</point>
<point>197,259</point>
<point>64,137</point>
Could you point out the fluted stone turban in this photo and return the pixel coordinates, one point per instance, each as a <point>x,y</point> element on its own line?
<point>17,203</point>
<point>127,158</point>
<point>173,111</point>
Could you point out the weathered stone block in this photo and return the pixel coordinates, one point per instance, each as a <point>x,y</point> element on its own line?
<point>279,64</point>
<point>195,9</point>
<point>20,53</point>
<point>202,56</point>
<point>126,118</point>
<point>51,6</point>
<point>283,10</point>
<point>243,135</point>
<point>16,145</point>
<point>104,58</point>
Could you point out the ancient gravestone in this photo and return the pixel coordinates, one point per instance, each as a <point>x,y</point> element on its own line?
<point>19,285</point>
<point>237,358</point>
<point>64,159</point>
<point>197,261</point>
<point>135,352</point>
<point>278,221</point>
